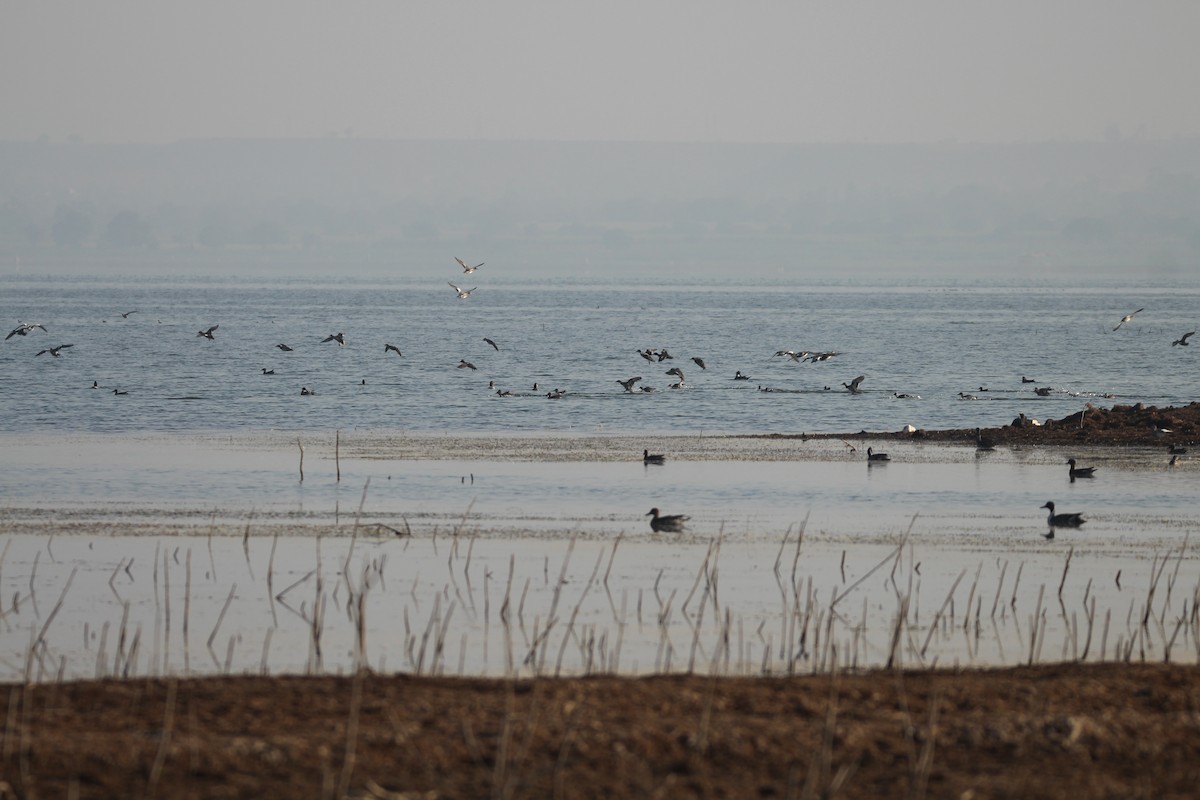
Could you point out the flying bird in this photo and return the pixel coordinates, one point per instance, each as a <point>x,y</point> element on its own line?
<point>125,314</point>
<point>628,384</point>
<point>463,294</point>
<point>699,362</point>
<point>23,329</point>
<point>854,384</point>
<point>464,364</point>
<point>208,334</point>
<point>387,347</point>
<point>339,337</point>
<point>1183,340</point>
<point>466,267</point>
<point>284,348</point>
<point>53,350</point>
<point>1128,318</point>
<point>495,346</point>
<point>671,523</point>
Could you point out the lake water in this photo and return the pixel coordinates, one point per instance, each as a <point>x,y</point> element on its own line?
<point>185,492</point>
<point>933,342</point>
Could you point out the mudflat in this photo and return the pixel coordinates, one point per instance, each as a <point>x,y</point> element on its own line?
<point>1070,730</point>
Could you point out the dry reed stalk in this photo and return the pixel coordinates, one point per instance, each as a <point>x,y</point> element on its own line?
<point>933,626</point>
<point>1066,566</point>
<point>164,741</point>
<point>301,458</point>
<point>167,610</point>
<point>1033,624</point>
<point>46,625</point>
<point>350,752</point>
<point>187,605</point>
<point>575,613</point>
<point>33,584</point>
<point>999,587</point>
<point>337,454</point>
<point>212,562</point>
<point>217,627</point>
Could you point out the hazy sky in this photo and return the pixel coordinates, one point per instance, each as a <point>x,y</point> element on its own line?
<point>670,70</point>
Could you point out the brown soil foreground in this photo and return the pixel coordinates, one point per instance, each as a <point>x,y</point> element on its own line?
<point>1136,425</point>
<point>1066,731</point>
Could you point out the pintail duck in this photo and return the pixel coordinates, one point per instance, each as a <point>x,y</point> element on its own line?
<point>1028,380</point>
<point>983,442</point>
<point>495,346</point>
<point>905,396</point>
<point>1183,340</point>
<point>118,391</point>
<point>1176,450</point>
<point>305,391</point>
<point>392,347</point>
<point>464,364</point>
<point>463,294</point>
<point>268,371</point>
<point>1061,520</point>
<point>1128,318</point>
<point>208,334</point>
<point>967,396</point>
<point>284,348</point>
<point>738,376</point>
<point>875,458</point>
<point>1080,472</point>
<point>125,314</point>
<point>628,384</point>
<point>467,268</point>
<point>23,329</point>
<point>699,362</point>
<point>653,458</point>
<point>339,337</point>
<point>853,385</point>
<point>54,351</point>
<point>670,523</point>
<point>1043,391</point>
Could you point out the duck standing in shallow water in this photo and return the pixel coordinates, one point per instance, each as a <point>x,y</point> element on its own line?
<point>653,458</point>
<point>670,523</point>
<point>1080,472</point>
<point>1061,520</point>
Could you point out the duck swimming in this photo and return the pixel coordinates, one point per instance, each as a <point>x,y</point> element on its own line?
<point>875,458</point>
<point>1080,472</point>
<point>670,523</point>
<point>653,458</point>
<point>1061,520</point>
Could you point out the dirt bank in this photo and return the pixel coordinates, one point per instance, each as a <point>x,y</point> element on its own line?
<point>1130,426</point>
<point>1068,731</point>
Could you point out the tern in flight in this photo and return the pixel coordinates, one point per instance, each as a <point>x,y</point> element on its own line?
<point>467,268</point>
<point>1128,318</point>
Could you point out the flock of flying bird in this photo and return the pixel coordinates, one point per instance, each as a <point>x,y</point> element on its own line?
<point>671,523</point>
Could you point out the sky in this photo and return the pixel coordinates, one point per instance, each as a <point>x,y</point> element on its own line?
<point>620,70</point>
